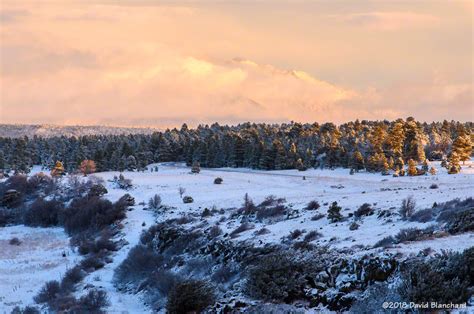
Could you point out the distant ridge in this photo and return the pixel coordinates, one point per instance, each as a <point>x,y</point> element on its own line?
<point>49,130</point>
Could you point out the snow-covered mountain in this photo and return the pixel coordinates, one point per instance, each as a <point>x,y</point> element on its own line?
<point>49,130</point>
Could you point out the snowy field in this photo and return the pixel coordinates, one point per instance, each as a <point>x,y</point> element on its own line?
<point>45,254</point>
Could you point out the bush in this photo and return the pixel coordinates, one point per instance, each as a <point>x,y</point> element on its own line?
<point>312,205</point>
<point>14,241</point>
<point>414,234</point>
<point>43,213</point>
<point>243,227</point>
<point>312,235</point>
<point>276,278</point>
<point>48,293</point>
<point>433,186</point>
<point>93,263</point>
<point>26,310</point>
<point>139,263</point>
<point>214,232</point>
<point>218,181</point>
<point>92,214</point>
<point>188,199</point>
<point>354,226</point>
<point>262,231</point>
<point>385,242</point>
<point>87,245</point>
<point>444,279</point>
<point>270,212</point>
<point>190,296</point>
<point>155,202</point>
<point>408,207</point>
<point>423,215</point>
<point>72,277</point>
<point>97,190</point>
<point>93,302</point>
<point>317,217</point>
<point>462,221</point>
<point>295,234</point>
<point>364,210</point>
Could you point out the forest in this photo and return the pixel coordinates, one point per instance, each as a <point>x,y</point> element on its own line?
<point>374,146</point>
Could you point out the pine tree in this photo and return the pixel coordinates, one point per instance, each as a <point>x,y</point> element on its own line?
<point>357,161</point>
<point>334,212</point>
<point>413,143</point>
<point>462,145</point>
<point>453,166</point>
<point>412,170</point>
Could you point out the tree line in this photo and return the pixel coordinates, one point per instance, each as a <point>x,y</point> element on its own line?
<point>376,146</point>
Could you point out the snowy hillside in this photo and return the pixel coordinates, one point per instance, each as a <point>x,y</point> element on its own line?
<point>45,252</point>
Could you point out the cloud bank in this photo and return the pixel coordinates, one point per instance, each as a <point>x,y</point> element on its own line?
<point>165,65</point>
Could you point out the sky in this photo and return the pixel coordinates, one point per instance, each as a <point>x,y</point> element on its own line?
<point>163,63</point>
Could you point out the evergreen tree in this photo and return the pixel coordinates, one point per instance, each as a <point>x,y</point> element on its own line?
<point>357,161</point>
<point>453,166</point>
<point>462,145</point>
<point>412,170</point>
<point>334,212</point>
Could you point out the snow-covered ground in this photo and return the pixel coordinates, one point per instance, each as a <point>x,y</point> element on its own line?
<point>44,254</point>
<point>24,268</point>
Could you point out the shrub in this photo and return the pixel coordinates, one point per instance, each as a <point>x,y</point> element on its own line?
<point>43,213</point>
<point>312,205</point>
<point>262,231</point>
<point>295,234</point>
<point>26,310</point>
<point>312,235</point>
<point>385,242</point>
<point>97,190</point>
<point>271,200</point>
<point>187,199</point>
<point>155,202</point>
<point>433,186</point>
<point>190,296</point>
<point>423,215</point>
<point>317,217</point>
<point>214,232</point>
<point>218,181</point>
<point>139,263</point>
<point>413,234</point>
<point>461,221</point>
<point>408,207</point>
<point>276,277</point>
<point>353,226</point>
<point>48,293</point>
<point>443,279</point>
<point>72,277</point>
<point>243,227</point>
<point>270,212</point>
<point>92,263</point>
<point>87,245</point>
<point>91,214</point>
<point>14,241</point>
<point>364,210</point>
<point>93,302</point>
